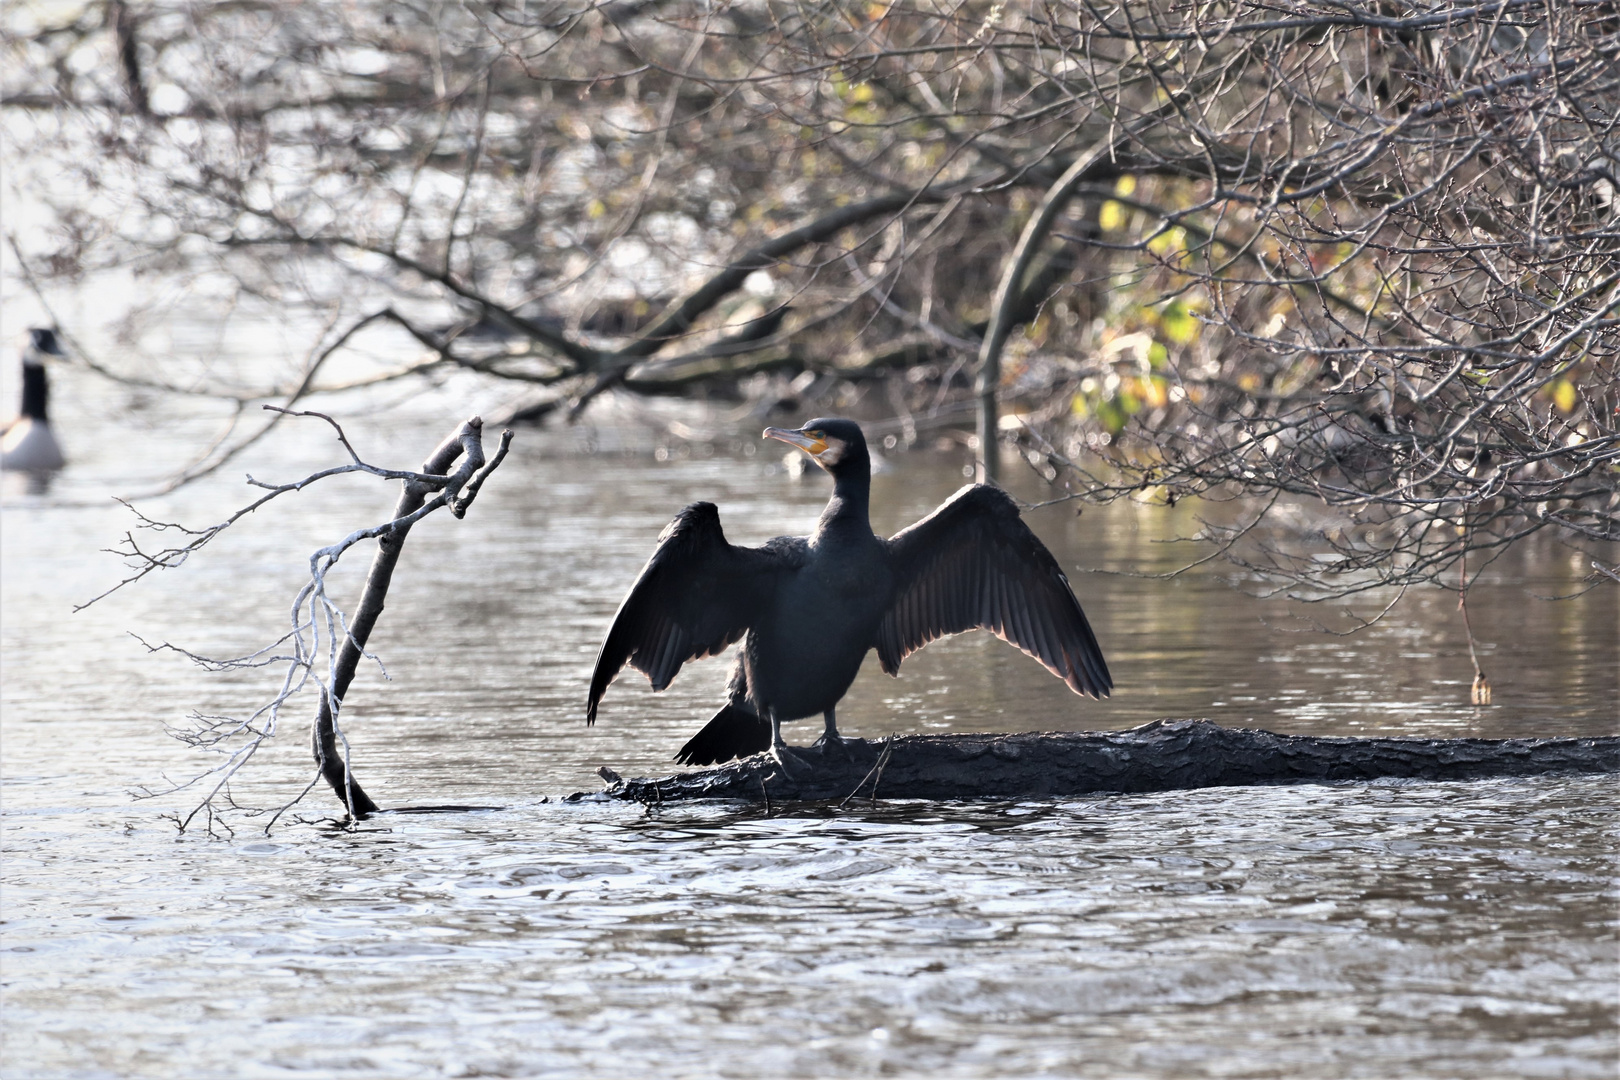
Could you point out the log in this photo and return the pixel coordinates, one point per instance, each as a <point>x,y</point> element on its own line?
<point>1165,755</point>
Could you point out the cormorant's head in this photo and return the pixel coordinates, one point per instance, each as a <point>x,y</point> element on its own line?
<point>833,443</point>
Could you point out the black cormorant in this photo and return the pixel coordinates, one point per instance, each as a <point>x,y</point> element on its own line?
<point>28,444</point>
<point>809,607</point>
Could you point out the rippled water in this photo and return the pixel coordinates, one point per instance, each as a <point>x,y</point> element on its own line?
<point>1357,930</point>
<point>1351,931</point>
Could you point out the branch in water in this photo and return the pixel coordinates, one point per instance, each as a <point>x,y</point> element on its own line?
<point>319,626</point>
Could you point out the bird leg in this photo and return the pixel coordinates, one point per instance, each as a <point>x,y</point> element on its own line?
<point>830,738</point>
<point>780,750</point>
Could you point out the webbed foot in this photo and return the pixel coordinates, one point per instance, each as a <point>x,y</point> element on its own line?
<point>790,762</point>
<point>835,744</point>
<point>830,739</point>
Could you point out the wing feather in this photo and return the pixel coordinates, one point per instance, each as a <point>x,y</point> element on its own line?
<point>974,564</point>
<point>696,596</point>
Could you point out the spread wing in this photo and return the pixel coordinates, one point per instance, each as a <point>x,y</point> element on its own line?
<point>974,564</point>
<point>696,595</point>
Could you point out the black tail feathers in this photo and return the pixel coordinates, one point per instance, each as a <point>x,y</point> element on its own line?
<point>733,733</point>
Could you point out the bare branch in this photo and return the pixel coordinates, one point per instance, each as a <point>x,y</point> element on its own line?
<point>319,627</point>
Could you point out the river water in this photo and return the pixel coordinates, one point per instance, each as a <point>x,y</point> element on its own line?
<point>1357,930</point>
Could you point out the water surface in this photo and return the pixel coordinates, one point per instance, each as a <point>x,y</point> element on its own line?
<point>1354,930</point>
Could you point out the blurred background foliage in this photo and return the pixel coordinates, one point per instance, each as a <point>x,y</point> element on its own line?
<point>1358,261</point>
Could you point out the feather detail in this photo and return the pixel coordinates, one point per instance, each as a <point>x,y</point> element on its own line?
<point>974,564</point>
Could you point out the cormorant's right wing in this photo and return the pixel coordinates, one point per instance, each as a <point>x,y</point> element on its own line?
<point>696,595</point>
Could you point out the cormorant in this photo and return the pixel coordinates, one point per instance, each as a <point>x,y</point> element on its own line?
<point>28,445</point>
<point>809,607</point>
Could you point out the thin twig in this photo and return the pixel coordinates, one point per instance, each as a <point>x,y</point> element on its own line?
<point>875,770</point>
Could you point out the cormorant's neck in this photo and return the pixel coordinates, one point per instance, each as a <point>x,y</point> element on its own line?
<point>851,496</point>
<point>34,391</point>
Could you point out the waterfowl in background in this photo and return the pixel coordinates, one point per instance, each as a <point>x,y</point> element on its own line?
<point>809,607</point>
<point>28,444</point>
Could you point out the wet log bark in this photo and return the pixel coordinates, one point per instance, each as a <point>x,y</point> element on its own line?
<point>1165,755</point>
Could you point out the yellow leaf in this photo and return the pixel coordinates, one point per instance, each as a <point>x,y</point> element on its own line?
<point>1111,216</point>
<point>1125,185</point>
<point>1564,395</point>
<point>1178,324</point>
<point>595,209</point>
<point>1171,240</point>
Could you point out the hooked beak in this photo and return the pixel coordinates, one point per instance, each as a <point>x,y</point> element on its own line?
<point>810,444</point>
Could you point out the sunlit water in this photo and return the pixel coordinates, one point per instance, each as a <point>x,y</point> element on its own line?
<point>1355,930</point>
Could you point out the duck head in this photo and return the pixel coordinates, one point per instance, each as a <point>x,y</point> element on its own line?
<point>42,343</point>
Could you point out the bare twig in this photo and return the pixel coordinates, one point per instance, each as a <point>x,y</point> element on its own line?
<point>1480,692</point>
<point>875,773</point>
<point>320,630</point>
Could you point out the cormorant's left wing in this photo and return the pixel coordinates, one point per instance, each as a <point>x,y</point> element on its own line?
<point>696,595</point>
<point>974,564</point>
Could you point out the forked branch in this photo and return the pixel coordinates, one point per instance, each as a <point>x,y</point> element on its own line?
<point>320,630</point>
